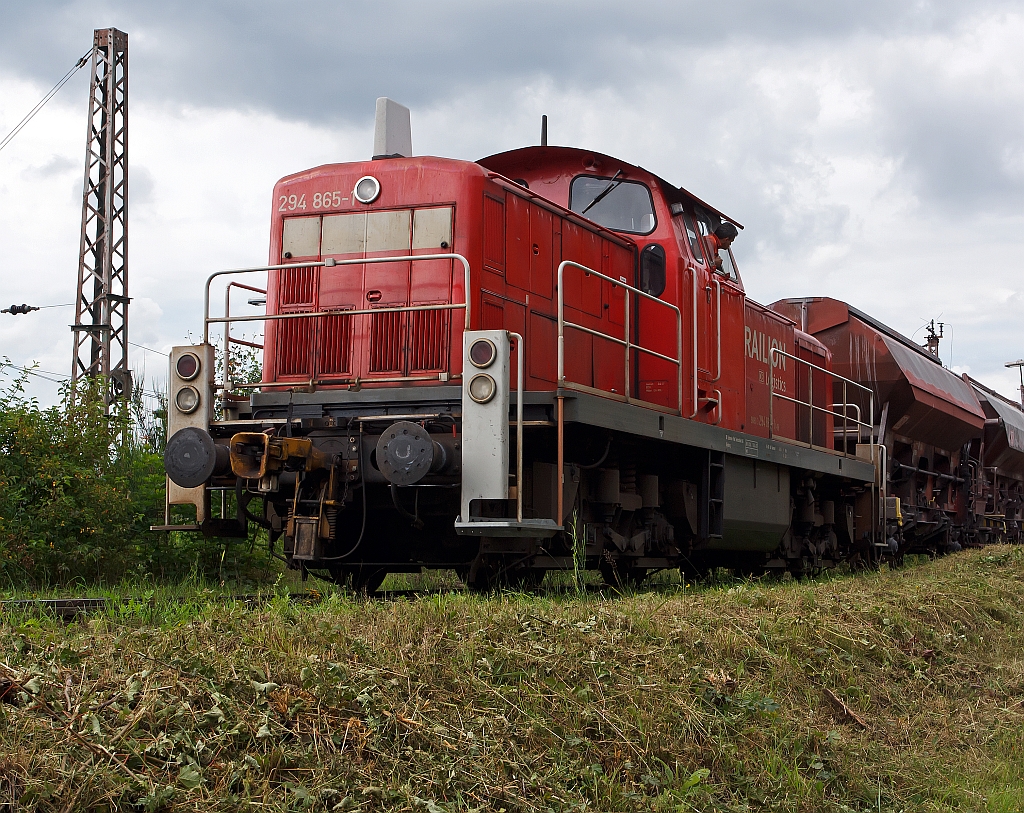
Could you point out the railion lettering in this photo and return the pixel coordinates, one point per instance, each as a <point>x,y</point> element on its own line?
<point>759,346</point>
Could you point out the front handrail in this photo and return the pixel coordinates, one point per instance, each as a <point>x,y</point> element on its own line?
<point>845,404</point>
<point>626,343</point>
<point>519,424</point>
<point>226,384</point>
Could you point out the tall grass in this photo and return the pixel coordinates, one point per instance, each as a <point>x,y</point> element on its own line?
<point>890,691</point>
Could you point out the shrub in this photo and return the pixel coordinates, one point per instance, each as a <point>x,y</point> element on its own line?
<point>65,499</point>
<point>79,490</point>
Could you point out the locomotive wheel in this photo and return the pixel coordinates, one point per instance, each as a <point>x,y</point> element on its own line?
<point>364,581</point>
<point>493,575</point>
<point>620,575</point>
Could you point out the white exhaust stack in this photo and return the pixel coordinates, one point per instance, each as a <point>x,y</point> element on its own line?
<point>392,131</point>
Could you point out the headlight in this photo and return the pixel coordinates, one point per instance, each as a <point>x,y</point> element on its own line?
<point>187,366</point>
<point>482,353</point>
<point>367,189</point>
<point>482,388</point>
<point>187,399</point>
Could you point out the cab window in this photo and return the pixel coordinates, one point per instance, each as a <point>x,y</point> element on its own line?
<point>729,265</point>
<point>614,203</point>
<point>706,223</point>
<point>691,235</point>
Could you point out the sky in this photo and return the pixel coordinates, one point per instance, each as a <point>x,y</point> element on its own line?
<point>873,151</point>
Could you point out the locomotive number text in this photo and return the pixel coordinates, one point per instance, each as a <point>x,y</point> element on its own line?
<point>321,200</point>
<point>289,203</point>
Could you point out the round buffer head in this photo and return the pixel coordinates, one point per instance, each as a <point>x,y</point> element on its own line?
<point>191,457</point>
<point>405,453</point>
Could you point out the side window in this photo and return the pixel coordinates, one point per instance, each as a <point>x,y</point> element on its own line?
<point>706,225</point>
<point>729,265</point>
<point>691,234</point>
<point>652,270</point>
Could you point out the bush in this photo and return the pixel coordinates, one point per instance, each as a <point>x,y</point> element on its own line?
<point>79,490</point>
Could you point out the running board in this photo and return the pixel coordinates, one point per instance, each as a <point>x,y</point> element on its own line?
<point>508,527</point>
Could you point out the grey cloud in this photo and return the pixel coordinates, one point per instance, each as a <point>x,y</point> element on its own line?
<point>56,165</point>
<point>324,61</point>
<point>141,184</point>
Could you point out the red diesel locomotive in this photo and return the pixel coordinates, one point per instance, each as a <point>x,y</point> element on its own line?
<point>534,362</point>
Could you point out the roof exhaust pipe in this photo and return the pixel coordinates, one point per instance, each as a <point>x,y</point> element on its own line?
<point>392,130</point>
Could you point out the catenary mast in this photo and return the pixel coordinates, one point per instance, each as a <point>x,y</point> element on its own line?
<point>101,306</point>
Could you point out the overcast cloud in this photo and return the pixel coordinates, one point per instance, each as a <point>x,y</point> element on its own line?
<point>874,151</point>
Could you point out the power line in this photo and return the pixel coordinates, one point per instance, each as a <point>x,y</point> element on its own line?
<point>45,375</point>
<point>35,372</point>
<point>16,310</point>
<point>150,349</point>
<point>53,91</point>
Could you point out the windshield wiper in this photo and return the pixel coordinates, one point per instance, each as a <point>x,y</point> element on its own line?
<point>604,192</point>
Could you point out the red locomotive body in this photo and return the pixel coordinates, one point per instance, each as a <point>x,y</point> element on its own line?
<point>523,364</point>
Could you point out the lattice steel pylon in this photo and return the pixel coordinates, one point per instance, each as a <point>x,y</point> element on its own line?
<point>101,307</point>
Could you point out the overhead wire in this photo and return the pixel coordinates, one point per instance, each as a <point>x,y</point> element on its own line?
<point>133,344</point>
<point>39,106</point>
<point>150,349</point>
<point>45,375</point>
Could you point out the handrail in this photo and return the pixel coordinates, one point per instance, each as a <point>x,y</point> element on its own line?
<point>519,426</point>
<point>227,326</point>
<point>626,343</point>
<point>227,319</point>
<point>845,407</point>
<point>775,351</point>
<point>718,328</point>
<point>879,460</point>
<point>696,358</point>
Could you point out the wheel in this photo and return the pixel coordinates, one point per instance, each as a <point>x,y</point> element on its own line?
<point>618,573</point>
<point>363,580</point>
<point>366,581</point>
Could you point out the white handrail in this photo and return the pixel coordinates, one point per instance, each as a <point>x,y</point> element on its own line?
<point>328,263</point>
<point>696,358</point>
<point>519,424</point>
<point>626,343</point>
<point>775,351</point>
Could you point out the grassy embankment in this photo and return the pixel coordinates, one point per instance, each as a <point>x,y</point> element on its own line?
<point>880,692</point>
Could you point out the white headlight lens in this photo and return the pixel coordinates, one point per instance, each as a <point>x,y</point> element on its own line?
<point>367,189</point>
<point>482,388</point>
<point>187,399</point>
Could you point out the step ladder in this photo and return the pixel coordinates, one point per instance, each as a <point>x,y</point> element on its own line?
<point>712,495</point>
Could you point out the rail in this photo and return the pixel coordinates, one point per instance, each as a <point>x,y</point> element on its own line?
<point>226,385</point>
<point>626,343</point>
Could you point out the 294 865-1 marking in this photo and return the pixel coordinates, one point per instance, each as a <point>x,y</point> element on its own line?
<point>321,200</point>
